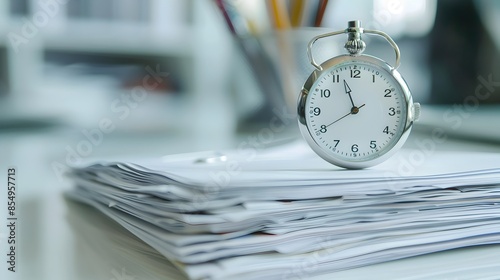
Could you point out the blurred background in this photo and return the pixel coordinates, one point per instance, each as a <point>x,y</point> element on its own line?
<point>102,79</point>
<point>211,68</point>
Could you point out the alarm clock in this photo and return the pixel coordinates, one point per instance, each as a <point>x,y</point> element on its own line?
<point>355,110</point>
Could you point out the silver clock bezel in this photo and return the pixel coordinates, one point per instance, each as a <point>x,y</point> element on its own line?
<point>307,133</point>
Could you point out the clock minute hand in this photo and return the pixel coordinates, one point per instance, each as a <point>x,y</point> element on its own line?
<point>348,91</point>
<point>339,119</point>
<point>353,111</point>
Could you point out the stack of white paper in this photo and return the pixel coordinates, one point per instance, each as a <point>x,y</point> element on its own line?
<point>286,213</point>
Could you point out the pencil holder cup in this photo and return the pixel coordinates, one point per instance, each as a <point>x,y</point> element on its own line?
<point>278,65</point>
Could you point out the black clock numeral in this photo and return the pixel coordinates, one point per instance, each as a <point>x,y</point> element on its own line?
<point>355,73</point>
<point>373,144</point>
<point>336,143</point>
<point>316,111</point>
<point>325,93</point>
<point>392,111</point>
<point>373,80</point>
<point>322,128</point>
<point>387,93</point>
<point>336,78</point>
<point>386,130</point>
<point>354,148</point>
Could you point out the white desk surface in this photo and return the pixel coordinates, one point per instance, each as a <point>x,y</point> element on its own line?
<point>61,239</point>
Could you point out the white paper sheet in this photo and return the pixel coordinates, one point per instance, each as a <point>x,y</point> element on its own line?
<point>268,214</point>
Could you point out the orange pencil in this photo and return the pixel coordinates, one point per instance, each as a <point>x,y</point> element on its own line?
<point>320,13</point>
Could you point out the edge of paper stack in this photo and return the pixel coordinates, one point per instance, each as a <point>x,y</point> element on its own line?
<point>284,213</point>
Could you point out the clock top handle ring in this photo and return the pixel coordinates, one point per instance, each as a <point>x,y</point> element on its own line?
<point>354,45</point>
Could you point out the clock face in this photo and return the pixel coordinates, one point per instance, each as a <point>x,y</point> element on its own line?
<point>355,111</point>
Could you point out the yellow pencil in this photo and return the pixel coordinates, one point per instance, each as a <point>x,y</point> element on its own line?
<point>278,12</point>
<point>296,12</point>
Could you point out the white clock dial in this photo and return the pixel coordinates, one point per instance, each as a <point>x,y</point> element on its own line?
<point>355,111</point>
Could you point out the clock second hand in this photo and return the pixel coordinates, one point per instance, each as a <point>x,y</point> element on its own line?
<point>353,111</point>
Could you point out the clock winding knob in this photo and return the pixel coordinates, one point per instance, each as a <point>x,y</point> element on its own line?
<point>355,45</point>
<point>416,111</point>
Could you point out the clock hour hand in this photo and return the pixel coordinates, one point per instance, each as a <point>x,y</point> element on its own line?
<point>348,91</point>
